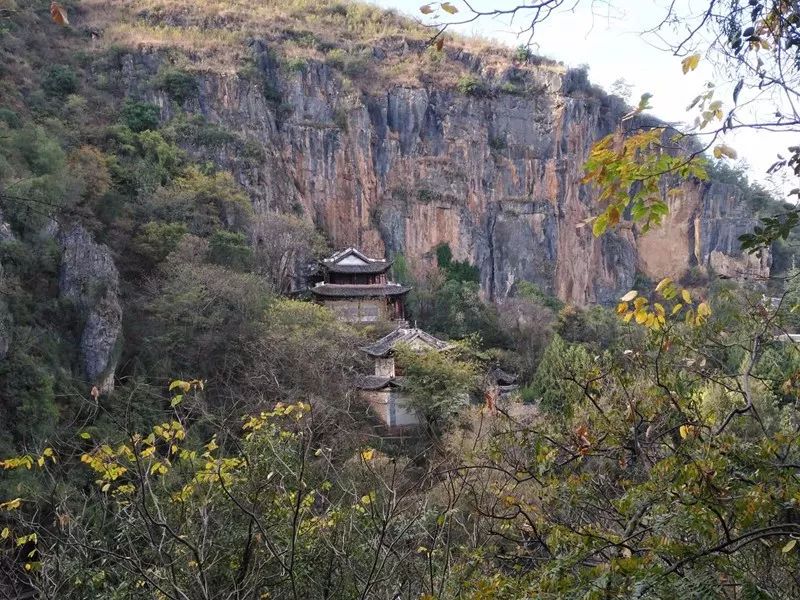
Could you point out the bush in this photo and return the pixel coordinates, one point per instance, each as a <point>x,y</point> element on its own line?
<point>141,116</point>
<point>456,270</point>
<point>498,143</point>
<point>271,92</point>
<point>522,53</point>
<point>229,249</point>
<point>469,85</point>
<point>156,240</point>
<point>60,81</point>
<point>351,64</point>
<point>296,65</point>
<point>10,118</point>
<point>178,84</point>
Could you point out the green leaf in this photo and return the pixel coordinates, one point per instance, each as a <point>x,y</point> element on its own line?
<point>600,225</point>
<point>449,8</point>
<point>176,400</point>
<point>85,435</point>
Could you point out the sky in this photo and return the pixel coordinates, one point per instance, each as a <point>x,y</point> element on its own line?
<point>607,37</point>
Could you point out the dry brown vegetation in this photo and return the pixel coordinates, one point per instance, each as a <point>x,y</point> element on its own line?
<point>358,39</point>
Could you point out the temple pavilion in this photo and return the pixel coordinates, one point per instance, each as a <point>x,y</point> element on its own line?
<point>356,288</point>
<point>383,390</point>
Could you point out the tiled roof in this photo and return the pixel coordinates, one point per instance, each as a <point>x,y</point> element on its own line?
<point>373,267</point>
<point>377,382</point>
<point>337,290</point>
<point>403,336</point>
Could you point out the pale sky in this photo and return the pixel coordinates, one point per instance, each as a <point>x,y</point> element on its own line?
<point>608,40</point>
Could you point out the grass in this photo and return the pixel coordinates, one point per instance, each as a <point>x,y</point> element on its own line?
<point>213,34</point>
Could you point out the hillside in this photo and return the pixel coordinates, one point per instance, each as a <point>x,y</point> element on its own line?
<point>178,420</point>
<point>342,114</point>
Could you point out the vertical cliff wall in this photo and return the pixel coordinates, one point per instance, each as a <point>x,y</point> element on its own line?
<point>495,174</point>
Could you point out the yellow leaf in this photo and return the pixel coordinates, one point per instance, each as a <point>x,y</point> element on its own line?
<point>5,533</point>
<point>40,461</point>
<point>684,431</point>
<point>703,309</point>
<point>629,296</point>
<point>627,318</point>
<point>659,309</point>
<point>677,308</point>
<point>622,307</point>
<point>687,297</point>
<point>690,63</point>
<point>724,150</point>
<point>449,8</point>
<point>105,488</point>
<point>58,14</point>
<point>663,283</point>
<point>641,316</point>
<point>11,504</point>
<point>367,454</point>
<point>85,435</point>
<point>789,545</point>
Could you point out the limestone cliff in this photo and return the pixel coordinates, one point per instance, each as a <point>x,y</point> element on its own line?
<point>90,280</point>
<point>495,173</point>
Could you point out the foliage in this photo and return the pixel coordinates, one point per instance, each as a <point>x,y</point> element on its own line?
<point>455,270</point>
<point>469,85</point>
<point>629,172</point>
<point>203,202</point>
<point>60,81</point>
<point>284,246</point>
<point>556,386</point>
<point>230,249</point>
<point>179,85</point>
<point>156,240</point>
<point>437,384</point>
<point>140,116</point>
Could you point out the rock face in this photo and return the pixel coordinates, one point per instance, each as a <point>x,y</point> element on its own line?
<point>5,316</point>
<point>90,280</point>
<point>494,175</point>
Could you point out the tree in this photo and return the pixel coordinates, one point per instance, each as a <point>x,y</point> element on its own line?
<point>564,368</point>
<point>285,246</point>
<point>437,384</point>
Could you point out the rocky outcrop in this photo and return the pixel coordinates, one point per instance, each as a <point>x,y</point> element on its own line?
<point>6,235</point>
<point>702,229</point>
<point>494,174</point>
<point>90,280</point>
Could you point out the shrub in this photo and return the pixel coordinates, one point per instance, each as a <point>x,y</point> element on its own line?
<point>60,81</point>
<point>469,85</point>
<point>141,116</point>
<point>156,240</point>
<point>455,270</point>
<point>497,143</point>
<point>351,64</point>
<point>296,65</point>
<point>522,53</point>
<point>10,118</point>
<point>271,92</point>
<point>512,88</point>
<point>178,84</point>
<point>229,249</point>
